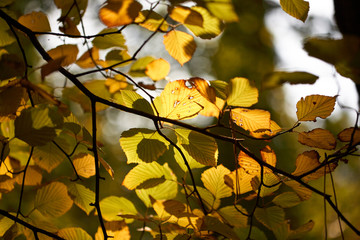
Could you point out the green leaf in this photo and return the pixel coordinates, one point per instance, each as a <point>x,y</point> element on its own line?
<point>286,200</point>
<point>6,37</point>
<point>221,88</point>
<point>211,26</point>
<point>52,200</point>
<point>196,147</point>
<point>270,179</point>
<point>166,190</point>
<point>116,56</point>
<point>271,217</point>
<point>133,100</point>
<point>256,233</point>
<point>106,40</point>
<point>82,196</point>
<point>5,224</point>
<point>242,93</point>
<point>113,206</point>
<point>74,233</point>
<point>276,79</point>
<point>297,8</point>
<point>139,67</point>
<point>234,216</point>
<point>209,200</point>
<point>213,180</point>
<point>49,156</point>
<point>37,126</point>
<point>143,145</point>
<point>145,175</point>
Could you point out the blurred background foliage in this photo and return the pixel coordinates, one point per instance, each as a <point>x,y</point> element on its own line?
<point>245,49</point>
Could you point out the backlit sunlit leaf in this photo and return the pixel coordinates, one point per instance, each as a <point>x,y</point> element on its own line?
<point>151,173</point>
<point>35,21</point>
<point>143,145</point>
<point>314,106</point>
<point>139,67</point>
<point>318,138</point>
<point>271,217</point>
<point>208,199</point>
<point>180,101</point>
<point>134,100</point>
<point>108,38</point>
<point>82,196</point>
<point>74,233</point>
<point>52,200</point>
<point>239,181</point>
<point>157,69</point>
<point>37,126</point>
<point>5,224</point>
<point>186,15</point>
<point>116,83</point>
<point>84,164</point>
<point>118,230</point>
<point>196,147</point>
<point>33,176</point>
<point>151,20</point>
<point>213,180</point>
<point>211,26</point>
<point>251,119</point>
<point>286,200</point>
<point>222,9</point>
<point>260,133</point>
<point>67,53</point>
<point>303,192</point>
<point>242,93</point>
<point>180,45</point>
<point>297,8</point>
<point>119,12</point>
<point>113,206</point>
<point>118,57</point>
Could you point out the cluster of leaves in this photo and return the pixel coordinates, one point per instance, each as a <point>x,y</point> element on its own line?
<point>39,132</point>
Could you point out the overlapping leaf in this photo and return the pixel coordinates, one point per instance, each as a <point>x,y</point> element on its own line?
<point>113,206</point>
<point>68,9</point>
<point>303,192</point>
<point>143,145</point>
<point>319,138</point>
<point>151,21</point>
<point>314,106</point>
<point>239,181</point>
<point>67,53</point>
<point>139,67</point>
<point>119,12</point>
<point>74,233</point>
<point>33,176</point>
<point>10,100</point>
<point>133,100</point>
<point>287,200</point>
<point>271,217</point>
<point>350,134</point>
<point>242,93</point>
<point>213,180</point>
<point>52,200</point>
<point>157,69</point>
<point>108,38</point>
<point>82,196</point>
<point>234,216</point>
<point>186,15</point>
<point>5,224</point>
<point>180,45</point>
<point>251,119</point>
<point>84,164</point>
<point>117,229</point>
<point>89,59</point>
<point>37,126</point>
<point>196,147</point>
<point>222,9</point>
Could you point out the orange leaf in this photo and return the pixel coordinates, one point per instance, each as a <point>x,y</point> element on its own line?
<point>181,46</point>
<point>89,58</point>
<point>204,88</point>
<point>314,106</point>
<point>119,12</point>
<point>67,52</point>
<point>251,119</point>
<point>36,21</point>
<point>69,27</point>
<point>157,69</point>
<point>347,134</point>
<point>319,138</point>
<point>84,165</point>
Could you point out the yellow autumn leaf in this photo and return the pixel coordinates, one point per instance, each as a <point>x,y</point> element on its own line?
<point>67,52</point>
<point>118,230</point>
<point>157,69</point>
<point>35,21</point>
<point>180,45</point>
<point>179,100</point>
<point>239,181</point>
<point>268,155</point>
<point>213,109</point>
<point>314,106</point>
<point>118,82</point>
<point>222,9</point>
<point>308,161</point>
<point>213,179</point>
<point>211,26</point>
<point>204,88</point>
<point>297,8</point>
<point>84,165</point>
<point>318,138</point>
<point>90,58</point>
<point>274,129</point>
<point>251,119</point>
<point>33,176</point>
<point>151,21</point>
<point>242,93</point>
<point>186,15</point>
<point>74,233</point>
<point>119,12</point>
